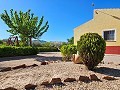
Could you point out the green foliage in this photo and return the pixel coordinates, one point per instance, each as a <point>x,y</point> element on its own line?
<point>7,51</point>
<point>46,44</point>
<point>67,51</point>
<point>56,45</point>
<point>25,24</point>
<point>1,42</point>
<point>48,49</point>
<point>91,47</point>
<point>71,40</point>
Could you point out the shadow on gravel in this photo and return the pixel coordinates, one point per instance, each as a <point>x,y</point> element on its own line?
<point>48,58</point>
<point>18,58</point>
<point>36,57</point>
<point>108,71</point>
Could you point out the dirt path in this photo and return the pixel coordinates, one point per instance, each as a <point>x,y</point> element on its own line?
<point>45,56</point>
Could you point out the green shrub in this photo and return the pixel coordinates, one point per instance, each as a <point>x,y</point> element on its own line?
<point>47,49</point>
<point>9,51</point>
<point>67,51</point>
<point>91,47</point>
<point>1,42</point>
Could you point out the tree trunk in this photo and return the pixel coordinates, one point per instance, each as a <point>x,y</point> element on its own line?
<point>30,38</point>
<point>17,41</point>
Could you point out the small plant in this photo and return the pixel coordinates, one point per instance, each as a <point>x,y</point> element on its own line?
<point>91,47</point>
<point>67,51</point>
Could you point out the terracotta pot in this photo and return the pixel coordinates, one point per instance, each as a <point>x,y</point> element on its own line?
<point>76,59</point>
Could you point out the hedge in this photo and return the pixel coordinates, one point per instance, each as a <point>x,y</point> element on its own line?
<point>48,49</point>
<point>9,51</point>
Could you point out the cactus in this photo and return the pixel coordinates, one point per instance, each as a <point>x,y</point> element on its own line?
<point>91,47</point>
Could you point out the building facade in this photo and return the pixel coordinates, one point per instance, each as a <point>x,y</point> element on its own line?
<point>105,22</point>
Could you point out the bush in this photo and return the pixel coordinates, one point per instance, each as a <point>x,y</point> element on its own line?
<point>47,49</point>
<point>1,42</point>
<point>91,47</point>
<point>67,51</point>
<point>9,51</point>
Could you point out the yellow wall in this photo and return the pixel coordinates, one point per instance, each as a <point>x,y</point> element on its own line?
<point>101,21</point>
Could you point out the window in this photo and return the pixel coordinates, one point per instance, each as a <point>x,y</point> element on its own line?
<point>109,35</point>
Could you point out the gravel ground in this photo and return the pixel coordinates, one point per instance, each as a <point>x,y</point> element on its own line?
<point>36,75</point>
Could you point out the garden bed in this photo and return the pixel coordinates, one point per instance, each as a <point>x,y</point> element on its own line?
<point>57,69</point>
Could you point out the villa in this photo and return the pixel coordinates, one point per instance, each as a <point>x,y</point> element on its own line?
<point>105,22</point>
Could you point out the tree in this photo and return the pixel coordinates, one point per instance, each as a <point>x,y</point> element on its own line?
<point>24,24</point>
<point>71,40</point>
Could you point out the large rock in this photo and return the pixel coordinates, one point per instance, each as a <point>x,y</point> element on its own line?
<point>44,63</point>
<point>6,69</point>
<point>55,81</point>
<point>30,87</point>
<point>84,78</point>
<point>69,80</point>
<point>76,59</point>
<point>93,77</point>
<point>20,66</point>
<point>9,88</point>
<point>109,78</point>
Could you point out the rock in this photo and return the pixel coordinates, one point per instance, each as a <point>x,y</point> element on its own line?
<point>109,78</point>
<point>45,83</point>
<point>51,61</point>
<point>6,69</point>
<point>69,80</point>
<point>30,87</point>
<point>34,65</point>
<point>76,59</point>
<point>56,61</point>
<point>9,88</point>
<point>44,63</point>
<point>84,78</point>
<point>93,77</point>
<point>20,66</point>
<point>55,81</point>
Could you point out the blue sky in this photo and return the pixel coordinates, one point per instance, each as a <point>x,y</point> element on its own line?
<point>63,15</point>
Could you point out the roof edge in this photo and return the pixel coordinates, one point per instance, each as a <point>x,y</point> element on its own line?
<point>83,24</point>
<point>107,9</point>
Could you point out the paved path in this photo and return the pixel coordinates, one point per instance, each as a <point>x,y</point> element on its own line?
<point>112,58</point>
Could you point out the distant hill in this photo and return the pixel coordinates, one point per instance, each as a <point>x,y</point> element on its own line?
<point>38,41</point>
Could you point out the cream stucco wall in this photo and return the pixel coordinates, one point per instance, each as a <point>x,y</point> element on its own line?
<point>104,19</point>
